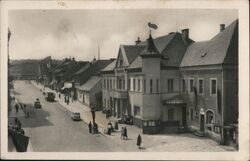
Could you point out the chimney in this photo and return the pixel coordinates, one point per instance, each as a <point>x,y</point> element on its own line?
<point>222,27</point>
<point>138,41</point>
<point>185,34</point>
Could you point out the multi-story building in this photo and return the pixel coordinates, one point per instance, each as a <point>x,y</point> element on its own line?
<point>209,84</point>
<point>139,79</point>
<point>172,81</point>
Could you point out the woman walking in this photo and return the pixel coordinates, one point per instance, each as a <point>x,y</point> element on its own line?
<point>139,140</point>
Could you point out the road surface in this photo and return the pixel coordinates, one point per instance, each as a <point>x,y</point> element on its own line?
<point>51,130</point>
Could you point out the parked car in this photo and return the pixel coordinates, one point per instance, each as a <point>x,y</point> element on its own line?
<point>50,96</point>
<point>75,116</point>
<point>37,104</point>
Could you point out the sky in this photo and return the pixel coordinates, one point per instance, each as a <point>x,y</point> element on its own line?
<point>78,33</point>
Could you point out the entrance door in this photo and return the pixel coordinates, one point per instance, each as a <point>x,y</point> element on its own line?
<point>184,116</point>
<point>202,123</point>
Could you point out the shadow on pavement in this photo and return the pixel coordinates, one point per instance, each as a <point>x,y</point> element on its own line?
<point>37,117</point>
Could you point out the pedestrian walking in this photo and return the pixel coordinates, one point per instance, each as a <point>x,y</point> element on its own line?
<point>139,140</point>
<point>16,107</point>
<point>65,99</point>
<point>122,133</point>
<point>116,125</point>
<point>90,127</point>
<point>109,128</point>
<point>125,133</point>
<point>59,95</point>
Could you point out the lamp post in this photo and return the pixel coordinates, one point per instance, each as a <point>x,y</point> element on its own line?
<point>93,112</point>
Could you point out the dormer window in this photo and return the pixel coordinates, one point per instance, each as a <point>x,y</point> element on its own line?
<point>203,54</point>
<point>120,62</point>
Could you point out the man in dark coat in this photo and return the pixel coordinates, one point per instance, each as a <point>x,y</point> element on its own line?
<point>90,127</point>
<point>139,140</point>
<point>125,133</point>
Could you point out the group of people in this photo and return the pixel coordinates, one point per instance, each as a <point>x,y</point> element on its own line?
<point>17,127</point>
<point>93,129</point>
<point>124,133</point>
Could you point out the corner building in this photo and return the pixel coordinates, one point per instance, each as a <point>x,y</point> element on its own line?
<point>171,82</point>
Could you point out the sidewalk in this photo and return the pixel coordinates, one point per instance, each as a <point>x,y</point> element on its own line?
<point>76,106</point>
<point>157,143</point>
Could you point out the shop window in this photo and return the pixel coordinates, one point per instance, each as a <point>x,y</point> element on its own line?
<point>170,85</point>
<point>137,111</point>
<point>151,123</point>
<point>170,114</point>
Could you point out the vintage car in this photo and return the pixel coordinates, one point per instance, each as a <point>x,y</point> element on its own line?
<point>75,116</point>
<point>37,104</point>
<point>50,96</point>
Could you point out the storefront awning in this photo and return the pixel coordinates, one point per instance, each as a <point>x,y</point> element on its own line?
<point>67,85</point>
<point>174,100</point>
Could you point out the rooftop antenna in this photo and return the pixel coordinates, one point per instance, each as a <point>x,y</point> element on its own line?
<point>98,52</point>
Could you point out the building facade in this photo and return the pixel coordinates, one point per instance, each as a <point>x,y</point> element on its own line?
<point>172,82</point>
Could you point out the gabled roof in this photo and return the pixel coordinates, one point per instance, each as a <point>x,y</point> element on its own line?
<point>94,67</point>
<point>82,69</point>
<point>89,84</point>
<point>213,51</point>
<point>109,67</point>
<point>132,51</point>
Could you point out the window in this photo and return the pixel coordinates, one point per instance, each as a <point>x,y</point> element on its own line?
<point>110,82</point>
<point>170,114</point>
<point>120,63</point>
<point>134,84</point>
<point>213,86</point>
<point>170,85</point>
<point>191,85</point>
<point>191,114</point>
<point>201,86</point>
<point>209,117</point>
<point>107,83</point>
<point>129,84</point>
<point>144,85</point>
<point>137,111</point>
<point>139,84</point>
<point>104,83</point>
<point>151,85</point>
<point>151,123</point>
<point>157,85</point>
<point>123,84</point>
<point>183,85</point>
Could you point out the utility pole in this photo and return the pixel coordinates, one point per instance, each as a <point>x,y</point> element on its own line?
<point>98,52</point>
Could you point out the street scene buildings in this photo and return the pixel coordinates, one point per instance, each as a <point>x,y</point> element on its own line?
<point>162,93</point>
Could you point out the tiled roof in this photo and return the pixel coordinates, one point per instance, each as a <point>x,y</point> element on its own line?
<point>89,84</point>
<point>132,51</point>
<point>110,67</point>
<point>82,69</point>
<point>161,42</point>
<point>213,51</point>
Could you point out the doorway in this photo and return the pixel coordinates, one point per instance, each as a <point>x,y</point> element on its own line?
<point>184,116</point>
<point>202,121</point>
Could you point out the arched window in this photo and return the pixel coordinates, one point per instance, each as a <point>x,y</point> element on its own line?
<point>209,117</point>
